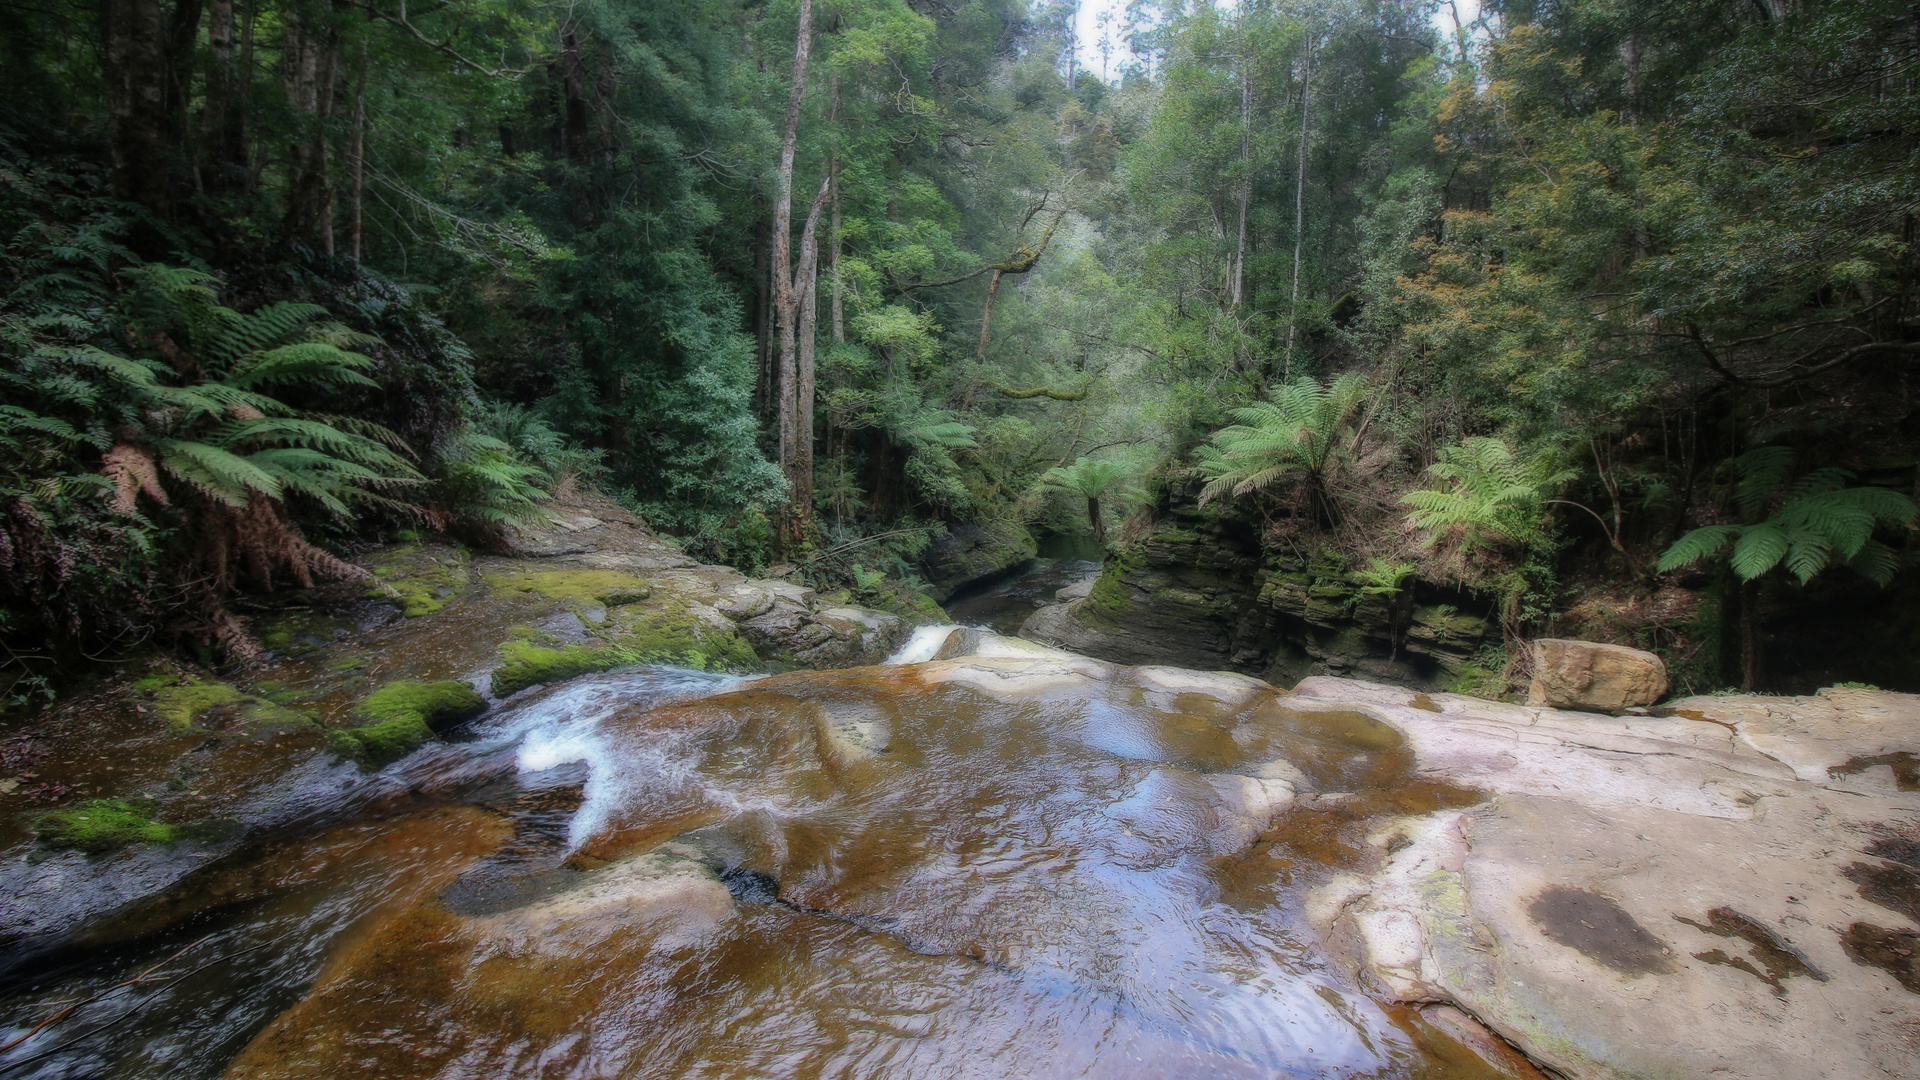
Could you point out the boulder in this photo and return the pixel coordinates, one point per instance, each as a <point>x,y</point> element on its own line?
<point>1571,674</point>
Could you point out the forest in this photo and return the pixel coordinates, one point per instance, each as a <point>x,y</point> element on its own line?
<point>1602,315</point>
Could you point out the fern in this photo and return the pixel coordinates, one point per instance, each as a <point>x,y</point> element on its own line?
<point>1299,433</point>
<point>1491,496</point>
<point>1820,522</point>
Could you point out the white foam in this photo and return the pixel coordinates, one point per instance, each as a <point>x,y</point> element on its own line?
<point>926,641</point>
<point>565,727</point>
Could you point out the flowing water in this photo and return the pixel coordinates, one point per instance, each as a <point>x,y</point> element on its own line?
<point>964,868</point>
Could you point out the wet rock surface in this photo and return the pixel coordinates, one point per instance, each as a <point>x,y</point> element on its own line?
<point>1009,860</point>
<point>304,737</point>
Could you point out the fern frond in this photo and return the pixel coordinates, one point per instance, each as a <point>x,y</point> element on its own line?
<point>215,473</point>
<point>307,362</point>
<point>1758,550</point>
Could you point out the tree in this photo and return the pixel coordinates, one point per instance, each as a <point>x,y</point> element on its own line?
<point>1303,435</point>
<point>1817,522</point>
<point>1093,479</point>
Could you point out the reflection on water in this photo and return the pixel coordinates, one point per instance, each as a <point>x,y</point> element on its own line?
<point>917,871</point>
<point>1002,606</point>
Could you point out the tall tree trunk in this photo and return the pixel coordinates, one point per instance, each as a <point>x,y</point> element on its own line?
<point>244,143</point>
<point>839,320</point>
<point>986,316</point>
<point>1246,170</point>
<point>136,102</point>
<point>800,470</point>
<point>220,150</point>
<point>183,34</point>
<point>1095,518</point>
<point>308,56</point>
<point>359,155</point>
<point>1749,634</point>
<point>786,299</point>
<point>1300,201</point>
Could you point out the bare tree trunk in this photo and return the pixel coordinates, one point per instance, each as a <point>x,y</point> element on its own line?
<point>136,102</point>
<point>839,320</point>
<point>786,299</point>
<point>308,57</point>
<point>1246,178</point>
<point>986,315</point>
<point>220,117</point>
<point>1094,517</point>
<point>800,471</point>
<point>183,33</point>
<point>244,144</point>
<point>1749,634</point>
<point>359,155</point>
<point>1300,201</point>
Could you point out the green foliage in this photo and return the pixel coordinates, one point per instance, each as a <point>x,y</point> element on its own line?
<point>1303,434</point>
<point>1493,495</point>
<point>1819,523</point>
<point>1382,577</point>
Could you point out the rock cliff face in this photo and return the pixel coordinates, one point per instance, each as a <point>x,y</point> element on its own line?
<point>972,553</point>
<point>1198,591</point>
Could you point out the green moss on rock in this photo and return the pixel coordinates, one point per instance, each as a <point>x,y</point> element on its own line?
<point>608,587</point>
<point>194,701</point>
<point>402,716</point>
<point>421,581</point>
<point>100,825</point>
<point>530,665</point>
<point>643,638</point>
<point>1109,598</point>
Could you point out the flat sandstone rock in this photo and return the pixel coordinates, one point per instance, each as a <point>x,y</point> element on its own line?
<point>1671,897</point>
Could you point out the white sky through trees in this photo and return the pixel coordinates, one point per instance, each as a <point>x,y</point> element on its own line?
<point>1088,31</point>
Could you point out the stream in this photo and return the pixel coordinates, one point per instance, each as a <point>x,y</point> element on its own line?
<point>1002,605</point>
<point>988,868</point>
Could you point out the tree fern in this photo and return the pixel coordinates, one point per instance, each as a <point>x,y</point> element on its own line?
<point>1300,437</point>
<point>1093,480</point>
<point>1491,495</point>
<point>1299,433</point>
<point>1818,524</point>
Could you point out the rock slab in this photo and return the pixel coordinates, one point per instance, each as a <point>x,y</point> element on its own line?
<point>1570,674</point>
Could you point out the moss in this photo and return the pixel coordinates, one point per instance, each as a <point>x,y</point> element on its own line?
<point>100,825</point>
<point>530,665</point>
<point>659,639</point>
<point>910,604</point>
<point>420,581</point>
<point>1448,624</point>
<point>183,706</point>
<point>609,587</point>
<point>1109,600</point>
<point>402,717</point>
<point>149,683</point>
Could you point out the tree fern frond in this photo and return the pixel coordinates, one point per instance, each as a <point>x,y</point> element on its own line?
<point>1876,562</point>
<point>1759,549</point>
<point>214,472</point>
<point>306,362</point>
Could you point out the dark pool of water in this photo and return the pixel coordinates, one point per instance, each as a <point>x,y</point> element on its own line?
<point>1002,606</point>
